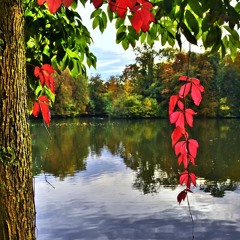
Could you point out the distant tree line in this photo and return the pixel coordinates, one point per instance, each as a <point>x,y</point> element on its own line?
<point>144,88</point>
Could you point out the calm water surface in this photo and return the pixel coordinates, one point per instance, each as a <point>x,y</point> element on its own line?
<point>107,180</point>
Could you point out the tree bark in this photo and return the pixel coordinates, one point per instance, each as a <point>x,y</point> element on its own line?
<point>17,210</point>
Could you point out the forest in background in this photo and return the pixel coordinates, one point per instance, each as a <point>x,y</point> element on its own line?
<point>144,88</point>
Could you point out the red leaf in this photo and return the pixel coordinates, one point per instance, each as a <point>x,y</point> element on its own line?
<point>189,116</point>
<point>97,3</point>
<point>184,90</point>
<point>192,147</point>
<point>120,6</point>
<point>142,16</point>
<point>36,109</point>
<point>54,5</point>
<point>187,151</point>
<point>178,132</point>
<point>196,89</point>
<point>184,178</point>
<point>196,93</point>
<point>177,118</point>
<point>67,3</point>
<point>44,74</point>
<point>187,178</point>
<point>182,195</point>
<point>44,102</point>
<point>180,148</point>
<point>48,68</point>
<point>193,179</point>
<point>136,21</point>
<point>172,103</point>
<point>183,78</point>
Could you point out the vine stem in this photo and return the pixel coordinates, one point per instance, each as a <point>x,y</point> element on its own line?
<point>190,212</point>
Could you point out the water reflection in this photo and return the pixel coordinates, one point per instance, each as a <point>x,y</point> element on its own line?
<point>103,171</point>
<point>144,146</point>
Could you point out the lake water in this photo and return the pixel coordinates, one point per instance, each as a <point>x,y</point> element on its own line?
<point>118,180</point>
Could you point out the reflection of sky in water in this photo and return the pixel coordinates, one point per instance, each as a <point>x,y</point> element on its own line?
<point>100,203</point>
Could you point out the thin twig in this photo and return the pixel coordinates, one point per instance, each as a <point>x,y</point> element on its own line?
<point>190,212</point>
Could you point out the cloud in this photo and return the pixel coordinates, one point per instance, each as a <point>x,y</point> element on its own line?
<point>110,62</point>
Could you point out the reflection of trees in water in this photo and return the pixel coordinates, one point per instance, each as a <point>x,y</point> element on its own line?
<point>145,147</point>
<point>61,152</point>
<point>218,189</point>
<point>150,182</point>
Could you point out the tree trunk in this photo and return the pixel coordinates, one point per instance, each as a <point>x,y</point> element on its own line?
<point>17,210</point>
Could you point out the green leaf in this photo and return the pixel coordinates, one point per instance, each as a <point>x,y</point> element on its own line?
<point>206,23</point>
<point>120,36</point>
<point>104,18</point>
<point>110,14</point>
<point>49,93</point>
<point>164,37</point>
<point>213,36</point>
<point>46,50</point>
<point>72,54</point>
<point>75,69</point>
<point>74,5</point>
<point>54,64</point>
<point>38,90</point>
<point>192,22</point>
<point>125,44</point>
<point>188,34</point>
<point>196,7</point>
<point>119,22</point>
<point>168,5</point>
<point>96,13</point>
<point>143,37</point>
<point>95,22</point>
<point>178,37</point>
<point>64,62</point>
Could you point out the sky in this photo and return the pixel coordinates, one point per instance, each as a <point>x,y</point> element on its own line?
<point>111,57</point>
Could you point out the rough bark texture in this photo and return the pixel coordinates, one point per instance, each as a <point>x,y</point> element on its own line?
<point>17,211</point>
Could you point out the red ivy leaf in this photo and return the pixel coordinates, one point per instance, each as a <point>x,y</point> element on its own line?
<point>97,3</point>
<point>178,132</point>
<point>189,116</point>
<point>184,90</point>
<point>182,195</point>
<point>196,89</point>
<point>54,5</point>
<point>44,74</point>
<point>187,151</point>
<point>120,6</point>
<point>188,178</point>
<point>196,94</point>
<point>36,109</point>
<point>192,147</point>
<point>172,103</point>
<point>67,3</point>
<point>178,118</point>
<point>142,16</point>
<point>42,104</point>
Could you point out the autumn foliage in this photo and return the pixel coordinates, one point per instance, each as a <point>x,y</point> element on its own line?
<point>43,102</point>
<point>182,117</point>
<point>140,10</point>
